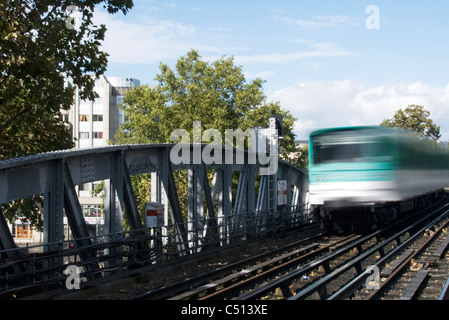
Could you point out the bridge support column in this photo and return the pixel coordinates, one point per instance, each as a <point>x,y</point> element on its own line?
<point>244,206</point>
<point>113,205</point>
<point>113,198</point>
<point>223,190</point>
<point>210,233</point>
<point>54,205</point>
<point>195,205</point>
<point>168,183</point>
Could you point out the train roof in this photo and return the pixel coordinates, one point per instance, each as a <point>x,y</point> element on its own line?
<point>402,134</point>
<point>353,128</point>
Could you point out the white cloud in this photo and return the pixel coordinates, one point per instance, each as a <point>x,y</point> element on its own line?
<point>262,74</point>
<point>320,21</point>
<point>317,49</point>
<point>148,40</point>
<point>349,103</point>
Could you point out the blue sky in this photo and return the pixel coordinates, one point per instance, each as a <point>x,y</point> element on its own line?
<point>318,58</point>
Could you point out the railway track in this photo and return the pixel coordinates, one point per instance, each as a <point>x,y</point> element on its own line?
<point>373,273</point>
<point>393,263</point>
<point>233,272</point>
<point>415,262</point>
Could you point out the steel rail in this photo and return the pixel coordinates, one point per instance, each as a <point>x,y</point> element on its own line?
<point>374,294</point>
<point>176,288</point>
<point>260,276</point>
<point>287,279</point>
<point>243,274</point>
<point>324,261</point>
<point>445,292</point>
<point>357,282</point>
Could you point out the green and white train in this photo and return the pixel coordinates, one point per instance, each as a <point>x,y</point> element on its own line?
<point>384,171</point>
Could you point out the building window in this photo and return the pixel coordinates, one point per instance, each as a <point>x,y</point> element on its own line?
<point>84,117</point>
<point>84,135</point>
<point>98,135</point>
<point>91,210</point>
<point>97,117</point>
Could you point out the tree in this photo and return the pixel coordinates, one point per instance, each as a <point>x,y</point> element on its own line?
<point>415,119</point>
<point>215,93</point>
<point>301,158</point>
<point>38,50</point>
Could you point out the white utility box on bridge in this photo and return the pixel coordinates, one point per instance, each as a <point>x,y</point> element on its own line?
<point>154,214</point>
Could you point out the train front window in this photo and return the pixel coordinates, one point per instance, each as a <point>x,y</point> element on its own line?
<point>351,146</point>
<point>347,146</point>
<point>325,152</point>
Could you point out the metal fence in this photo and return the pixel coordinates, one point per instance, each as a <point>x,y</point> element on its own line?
<point>37,268</point>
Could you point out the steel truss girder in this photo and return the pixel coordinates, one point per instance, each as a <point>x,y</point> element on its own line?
<point>55,175</point>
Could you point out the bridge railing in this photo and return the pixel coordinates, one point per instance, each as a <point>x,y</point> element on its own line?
<point>217,213</point>
<point>119,252</point>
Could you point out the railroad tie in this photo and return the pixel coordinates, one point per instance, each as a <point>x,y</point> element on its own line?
<point>396,263</point>
<point>414,286</point>
<point>441,249</point>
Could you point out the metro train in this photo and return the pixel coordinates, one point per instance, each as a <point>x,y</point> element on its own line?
<point>372,174</point>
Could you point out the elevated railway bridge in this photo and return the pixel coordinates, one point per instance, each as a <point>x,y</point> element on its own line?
<point>218,213</point>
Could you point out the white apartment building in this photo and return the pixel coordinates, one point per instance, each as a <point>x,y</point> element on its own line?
<point>93,123</point>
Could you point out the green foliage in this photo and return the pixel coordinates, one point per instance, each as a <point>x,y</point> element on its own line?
<point>215,93</point>
<point>27,210</point>
<point>301,158</point>
<point>415,119</point>
<point>37,52</point>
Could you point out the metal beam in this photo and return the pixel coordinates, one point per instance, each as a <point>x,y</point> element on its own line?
<point>132,213</point>
<point>6,239</point>
<point>113,200</point>
<point>211,230</point>
<point>170,186</point>
<point>54,205</point>
<point>73,211</point>
<point>195,206</point>
<point>8,246</point>
<point>78,225</point>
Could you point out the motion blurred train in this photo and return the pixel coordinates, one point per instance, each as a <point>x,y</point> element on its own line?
<point>373,174</point>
